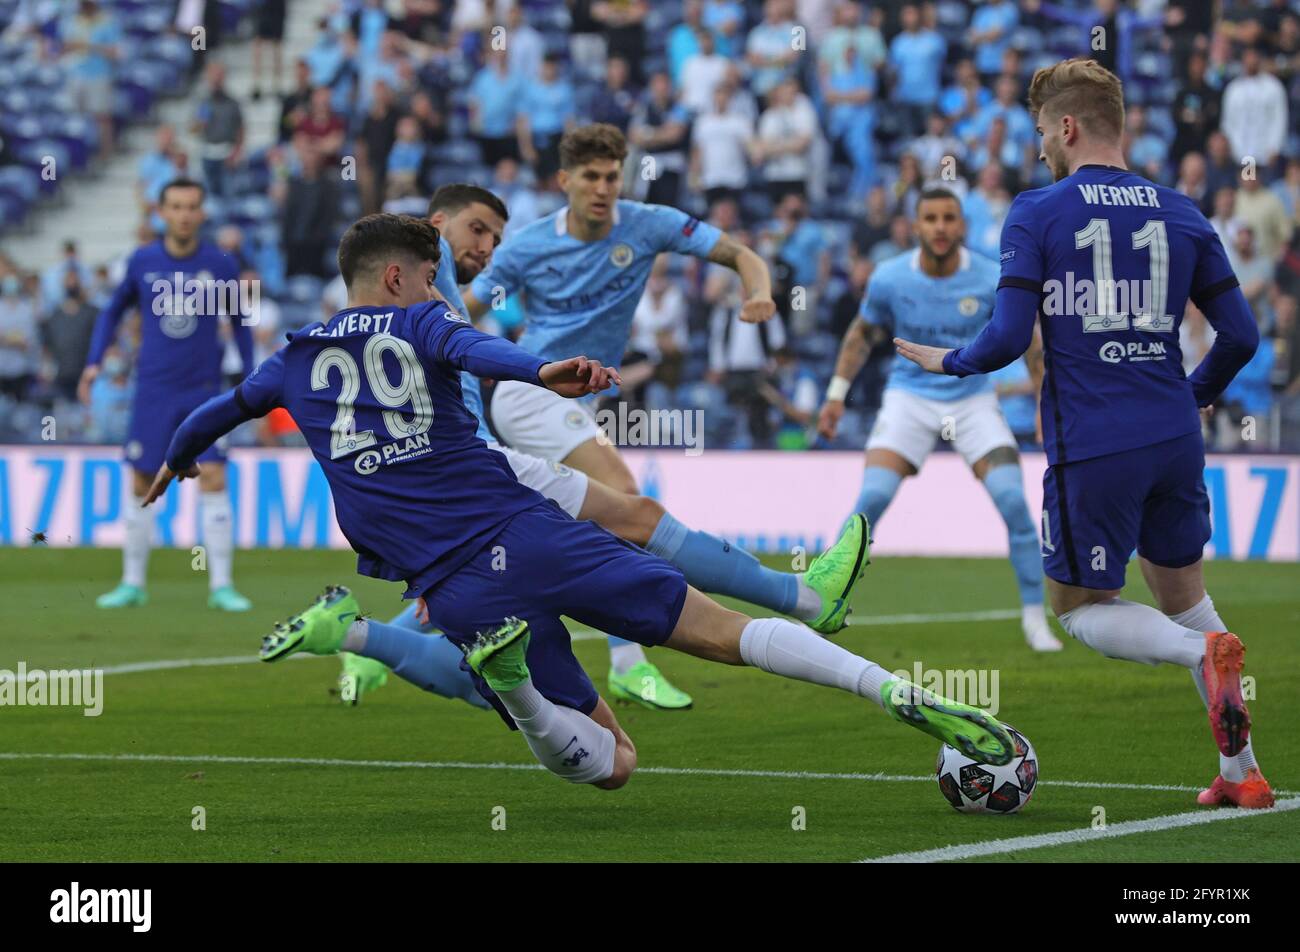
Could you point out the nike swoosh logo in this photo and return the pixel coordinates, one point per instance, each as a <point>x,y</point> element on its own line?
<point>346,615</point>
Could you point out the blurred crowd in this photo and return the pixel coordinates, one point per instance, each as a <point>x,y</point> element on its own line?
<point>807,128</point>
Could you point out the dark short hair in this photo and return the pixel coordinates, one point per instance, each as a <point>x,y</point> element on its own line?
<point>937,192</point>
<point>451,198</point>
<point>377,239</point>
<point>181,183</point>
<point>599,140</point>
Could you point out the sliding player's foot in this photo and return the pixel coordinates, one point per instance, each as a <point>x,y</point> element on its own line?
<point>226,599</point>
<point>1221,668</point>
<point>360,676</point>
<point>1038,635</point>
<point>124,596</point>
<point>318,630</point>
<point>500,656</point>
<point>976,733</point>
<point>833,574</point>
<point>1253,793</point>
<point>644,684</point>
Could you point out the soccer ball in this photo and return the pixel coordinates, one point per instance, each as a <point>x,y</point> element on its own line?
<point>972,787</point>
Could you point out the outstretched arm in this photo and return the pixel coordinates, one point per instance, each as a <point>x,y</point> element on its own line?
<point>754,276</point>
<point>203,427</point>
<point>486,355</point>
<point>1004,338</point>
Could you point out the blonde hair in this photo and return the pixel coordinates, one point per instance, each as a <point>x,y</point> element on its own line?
<point>1082,88</point>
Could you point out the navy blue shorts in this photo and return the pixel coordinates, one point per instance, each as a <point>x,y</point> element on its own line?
<point>545,564</point>
<point>155,418</point>
<point>1097,511</point>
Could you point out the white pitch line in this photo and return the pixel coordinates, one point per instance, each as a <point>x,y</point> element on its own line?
<point>500,765</point>
<point>1173,821</point>
<point>578,634</point>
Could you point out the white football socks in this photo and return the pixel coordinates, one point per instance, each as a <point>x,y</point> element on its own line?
<point>135,548</point>
<point>218,536</point>
<point>791,650</point>
<point>809,604</point>
<point>566,742</point>
<point>1133,632</point>
<point>354,639</point>
<point>624,657</point>
<point>1203,617</point>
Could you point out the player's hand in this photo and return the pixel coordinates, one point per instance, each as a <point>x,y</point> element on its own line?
<point>924,356</point>
<point>758,309</point>
<point>828,421</point>
<point>83,385</point>
<point>578,376</point>
<point>1207,415</point>
<point>164,477</point>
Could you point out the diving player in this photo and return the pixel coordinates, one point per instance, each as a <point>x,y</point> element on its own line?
<point>1110,260</point>
<point>943,294</point>
<point>175,282</point>
<point>471,221</point>
<point>582,270</point>
<point>376,391</point>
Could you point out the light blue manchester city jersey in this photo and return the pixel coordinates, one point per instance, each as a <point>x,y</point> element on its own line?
<point>581,295</point>
<point>941,312</point>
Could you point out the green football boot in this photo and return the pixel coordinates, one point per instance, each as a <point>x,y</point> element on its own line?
<point>124,596</point>
<point>359,677</point>
<point>644,684</point>
<point>319,630</point>
<point>975,732</point>
<point>499,656</point>
<point>835,572</point>
<point>226,599</point>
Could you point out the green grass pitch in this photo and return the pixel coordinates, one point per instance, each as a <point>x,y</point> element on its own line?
<point>750,736</point>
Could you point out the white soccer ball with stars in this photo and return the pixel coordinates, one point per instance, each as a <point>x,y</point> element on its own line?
<point>972,787</point>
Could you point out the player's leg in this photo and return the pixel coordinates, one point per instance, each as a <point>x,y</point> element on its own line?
<point>579,741</point>
<point>986,442</point>
<point>145,450</point>
<point>425,658</point>
<point>218,520</point>
<point>819,597</point>
<point>789,649</point>
<point>900,440</point>
<point>1175,528</point>
<point>621,588</point>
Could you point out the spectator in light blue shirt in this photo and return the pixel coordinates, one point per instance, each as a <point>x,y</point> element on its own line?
<point>1019,124</point>
<point>546,108</point>
<point>962,101</point>
<point>682,41</point>
<point>494,98</point>
<point>849,94</point>
<point>110,399</point>
<point>990,34</point>
<point>725,19</point>
<point>1147,152</point>
<point>770,48</point>
<point>916,57</point>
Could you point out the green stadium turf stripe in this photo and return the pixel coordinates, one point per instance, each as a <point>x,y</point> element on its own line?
<point>1017,844</point>
<point>499,765</point>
